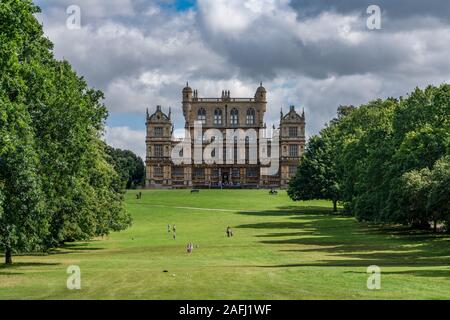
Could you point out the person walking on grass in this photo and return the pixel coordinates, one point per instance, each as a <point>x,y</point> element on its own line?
<point>229,232</point>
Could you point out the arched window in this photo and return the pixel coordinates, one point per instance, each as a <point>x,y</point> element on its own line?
<point>234,117</point>
<point>251,114</point>
<point>201,115</point>
<point>218,117</point>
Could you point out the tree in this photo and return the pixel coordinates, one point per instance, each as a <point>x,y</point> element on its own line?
<point>385,159</point>
<point>23,220</point>
<point>316,177</point>
<point>55,182</point>
<point>421,136</point>
<point>129,166</point>
<point>438,203</point>
<point>413,197</point>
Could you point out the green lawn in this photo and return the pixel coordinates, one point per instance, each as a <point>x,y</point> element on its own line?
<point>281,250</point>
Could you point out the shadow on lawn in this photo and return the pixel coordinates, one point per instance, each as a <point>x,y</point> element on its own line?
<point>26,264</point>
<point>17,265</point>
<point>69,248</point>
<point>10,274</point>
<point>290,211</point>
<point>352,244</point>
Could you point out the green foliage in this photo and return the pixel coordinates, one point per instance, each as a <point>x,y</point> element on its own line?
<point>438,203</point>
<point>388,159</point>
<point>52,159</point>
<point>413,196</point>
<point>129,166</point>
<point>316,177</point>
<point>23,220</point>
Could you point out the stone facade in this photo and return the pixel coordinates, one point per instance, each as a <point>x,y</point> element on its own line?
<point>222,114</point>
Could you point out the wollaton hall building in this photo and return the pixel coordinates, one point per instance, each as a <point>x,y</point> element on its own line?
<point>221,113</point>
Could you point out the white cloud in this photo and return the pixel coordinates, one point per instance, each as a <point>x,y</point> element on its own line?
<point>94,8</point>
<point>126,139</point>
<point>141,54</point>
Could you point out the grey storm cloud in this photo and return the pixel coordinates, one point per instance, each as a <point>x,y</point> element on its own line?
<point>265,48</point>
<point>315,54</point>
<point>395,9</point>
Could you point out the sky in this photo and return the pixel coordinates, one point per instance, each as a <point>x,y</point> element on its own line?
<point>314,54</point>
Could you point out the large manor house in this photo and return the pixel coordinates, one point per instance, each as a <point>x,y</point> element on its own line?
<point>221,113</point>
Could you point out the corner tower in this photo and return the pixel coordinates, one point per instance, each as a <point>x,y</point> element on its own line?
<point>159,148</point>
<point>292,143</point>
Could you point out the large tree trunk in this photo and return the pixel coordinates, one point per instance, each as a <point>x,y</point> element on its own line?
<point>8,256</point>
<point>335,206</point>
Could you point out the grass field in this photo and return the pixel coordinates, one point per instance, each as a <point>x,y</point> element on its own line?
<point>281,250</point>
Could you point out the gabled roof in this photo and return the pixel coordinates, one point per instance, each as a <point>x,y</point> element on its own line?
<point>293,116</point>
<point>159,116</point>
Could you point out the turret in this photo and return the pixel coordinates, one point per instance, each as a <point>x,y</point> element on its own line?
<point>187,99</point>
<point>187,93</point>
<point>261,94</point>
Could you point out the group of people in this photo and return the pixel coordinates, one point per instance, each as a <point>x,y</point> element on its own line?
<point>190,245</point>
<point>225,184</point>
<point>139,196</point>
<point>172,229</point>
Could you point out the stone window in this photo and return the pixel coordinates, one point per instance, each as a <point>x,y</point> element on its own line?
<point>178,171</point>
<point>234,117</point>
<point>252,172</point>
<point>199,172</point>
<point>293,132</point>
<point>236,172</point>
<point>218,117</point>
<point>158,132</point>
<point>157,171</point>
<point>201,115</point>
<point>251,114</point>
<point>293,151</point>
<point>159,151</point>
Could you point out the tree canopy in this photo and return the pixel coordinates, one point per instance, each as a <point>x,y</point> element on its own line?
<point>56,184</point>
<point>389,159</point>
<point>129,166</point>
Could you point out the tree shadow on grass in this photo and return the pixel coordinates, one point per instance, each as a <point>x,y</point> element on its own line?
<point>69,248</point>
<point>11,273</point>
<point>442,273</point>
<point>16,265</point>
<point>352,244</point>
<point>291,211</point>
